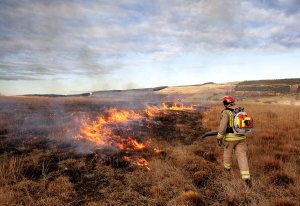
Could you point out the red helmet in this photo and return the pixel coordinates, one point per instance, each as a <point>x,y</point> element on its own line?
<point>228,99</point>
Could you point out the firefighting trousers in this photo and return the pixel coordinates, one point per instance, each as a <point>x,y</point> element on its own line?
<point>241,148</point>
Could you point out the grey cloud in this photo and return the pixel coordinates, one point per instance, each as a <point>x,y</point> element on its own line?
<point>16,78</point>
<point>289,7</point>
<point>78,37</point>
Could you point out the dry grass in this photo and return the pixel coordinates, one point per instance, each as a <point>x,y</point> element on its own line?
<point>274,148</point>
<point>39,167</point>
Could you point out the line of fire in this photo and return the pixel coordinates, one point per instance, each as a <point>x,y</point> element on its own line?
<point>116,135</point>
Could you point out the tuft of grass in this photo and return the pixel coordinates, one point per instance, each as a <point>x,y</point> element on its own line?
<point>283,202</point>
<point>270,164</point>
<point>199,178</point>
<point>233,200</point>
<point>210,193</point>
<point>188,198</point>
<point>155,192</point>
<point>282,178</point>
<point>269,134</point>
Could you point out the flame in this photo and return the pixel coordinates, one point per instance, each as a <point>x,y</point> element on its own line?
<point>153,111</point>
<point>158,151</point>
<point>96,155</point>
<point>175,107</point>
<point>137,161</point>
<point>113,129</point>
<point>142,162</point>
<point>131,143</point>
<point>101,131</point>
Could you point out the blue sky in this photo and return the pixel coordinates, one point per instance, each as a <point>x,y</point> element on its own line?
<point>67,47</point>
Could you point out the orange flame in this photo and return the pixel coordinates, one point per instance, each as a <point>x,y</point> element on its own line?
<point>137,161</point>
<point>108,129</point>
<point>101,131</point>
<point>175,107</point>
<point>158,151</point>
<point>131,143</point>
<point>153,111</point>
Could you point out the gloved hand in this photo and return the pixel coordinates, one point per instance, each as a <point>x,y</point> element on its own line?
<point>219,142</point>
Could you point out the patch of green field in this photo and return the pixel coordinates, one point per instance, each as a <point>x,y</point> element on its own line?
<point>273,81</point>
<point>281,89</point>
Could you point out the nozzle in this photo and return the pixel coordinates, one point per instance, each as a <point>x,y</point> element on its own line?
<point>247,122</point>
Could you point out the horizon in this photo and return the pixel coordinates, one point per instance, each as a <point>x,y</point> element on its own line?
<point>113,90</point>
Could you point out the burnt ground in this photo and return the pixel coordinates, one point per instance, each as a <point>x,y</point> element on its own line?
<point>39,131</point>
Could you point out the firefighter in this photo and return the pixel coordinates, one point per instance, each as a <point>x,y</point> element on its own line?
<point>232,141</point>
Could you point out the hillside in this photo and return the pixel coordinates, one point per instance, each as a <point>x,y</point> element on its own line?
<point>284,91</point>
<point>279,91</point>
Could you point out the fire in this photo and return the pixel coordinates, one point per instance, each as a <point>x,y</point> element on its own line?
<point>108,130</point>
<point>158,151</point>
<point>132,143</point>
<point>119,129</point>
<point>153,111</point>
<point>175,107</point>
<point>137,161</point>
<point>103,131</point>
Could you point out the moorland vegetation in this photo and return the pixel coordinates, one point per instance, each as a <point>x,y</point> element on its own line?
<point>40,164</point>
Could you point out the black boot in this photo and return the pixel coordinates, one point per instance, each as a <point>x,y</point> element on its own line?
<point>228,170</point>
<point>248,183</point>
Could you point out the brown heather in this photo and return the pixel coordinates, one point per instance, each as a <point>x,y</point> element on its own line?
<point>39,167</point>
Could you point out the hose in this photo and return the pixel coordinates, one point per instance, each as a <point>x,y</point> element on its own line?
<point>210,134</point>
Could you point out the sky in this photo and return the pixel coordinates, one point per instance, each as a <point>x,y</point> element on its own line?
<point>77,46</point>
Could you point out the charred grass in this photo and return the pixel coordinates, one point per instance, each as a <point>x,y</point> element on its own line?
<point>41,165</point>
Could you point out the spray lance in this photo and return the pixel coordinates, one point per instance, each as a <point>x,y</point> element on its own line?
<point>213,134</point>
<point>210,134</point>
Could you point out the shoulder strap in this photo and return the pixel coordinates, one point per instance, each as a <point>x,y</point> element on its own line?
<point>236,110</point>
<point>227,109</point>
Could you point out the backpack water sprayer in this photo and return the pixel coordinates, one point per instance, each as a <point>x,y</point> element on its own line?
<point>242,122</point>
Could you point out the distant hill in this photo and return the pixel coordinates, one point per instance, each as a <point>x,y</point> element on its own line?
<point>282,91</point>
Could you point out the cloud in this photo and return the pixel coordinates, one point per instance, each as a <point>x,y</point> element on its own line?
<point>95,37</point>
<point>16,78</point>
<point>288,7</point>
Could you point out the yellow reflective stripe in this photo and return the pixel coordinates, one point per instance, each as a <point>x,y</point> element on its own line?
<point>227,166</point>
<point>245,174</point>
<point>233,137</point>
<point>231,119</point>
<point>219,135</point>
